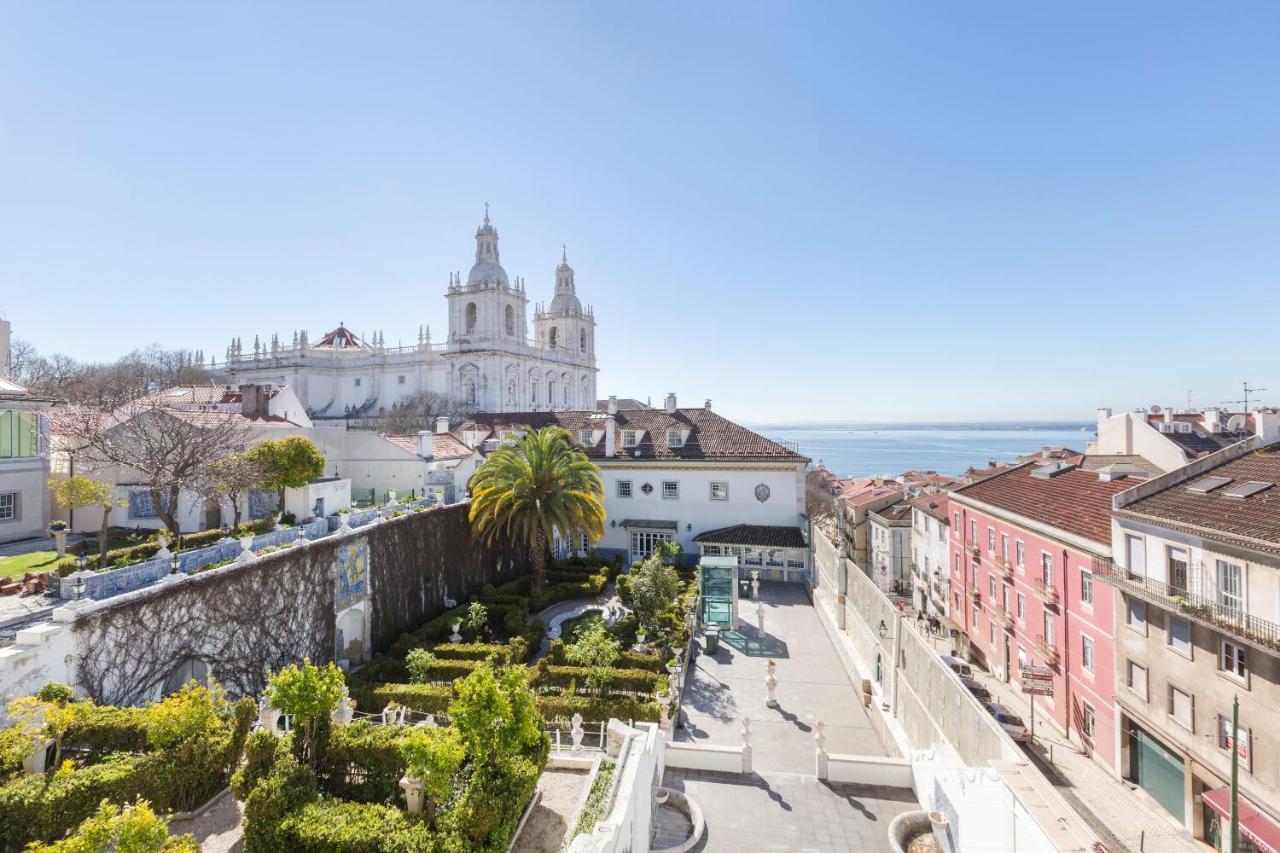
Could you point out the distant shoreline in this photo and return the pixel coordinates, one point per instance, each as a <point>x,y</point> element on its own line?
<point>967,426</point>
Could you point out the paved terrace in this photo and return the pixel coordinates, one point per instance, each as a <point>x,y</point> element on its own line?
<point>782,805</point>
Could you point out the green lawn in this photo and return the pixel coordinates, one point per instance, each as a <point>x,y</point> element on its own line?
<point>36,561</point>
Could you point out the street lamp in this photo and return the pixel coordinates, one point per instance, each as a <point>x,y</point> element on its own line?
<point>81,559</point>
<point>884,629</point>
<point>77,588</point>
<point>174,564</point>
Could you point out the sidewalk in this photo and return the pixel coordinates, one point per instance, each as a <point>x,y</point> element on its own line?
<point>1121,815</point>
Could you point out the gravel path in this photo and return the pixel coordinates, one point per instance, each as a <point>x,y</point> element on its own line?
<point>217,828</point>
<point>545,830</point>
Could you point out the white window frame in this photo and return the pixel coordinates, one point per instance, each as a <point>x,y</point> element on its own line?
<point>643,542</point>
<point>1231,585</point>
<point>630,438</point>
<point>723,490</point>
<point>675,438</point>
<point>1086,652</point>
<point>624,489</point>
<point>671,490</point>
<point>1086,587</point>
<point>1168,638</point>
<point>9,506</point>
<point>1020,554</point>
<point>991,539</point>
<point>1233,660</point>
<point>1171,707</point>
<point>1131,666</point>
<point>1089,720</point>
<point>1022,607</point>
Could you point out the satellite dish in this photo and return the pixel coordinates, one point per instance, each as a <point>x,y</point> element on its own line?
<point>1155,409</point>
<point>1236,423</point>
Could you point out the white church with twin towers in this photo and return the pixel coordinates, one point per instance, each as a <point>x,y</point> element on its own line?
<point>488,359</point>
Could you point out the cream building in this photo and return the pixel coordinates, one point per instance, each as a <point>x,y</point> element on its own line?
<point>488,359</point>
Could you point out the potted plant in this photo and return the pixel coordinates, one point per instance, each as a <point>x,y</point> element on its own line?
<point>58,530</point>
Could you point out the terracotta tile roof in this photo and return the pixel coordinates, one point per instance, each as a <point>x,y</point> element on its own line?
<point>1252,522</point>
<point>870,494</point>
<point>1075,501</point>
<point>443,445</point>
<point>755,535</point>
<point>709,436</point>
<point>1123,463</point>
<point>898,514</point>
<point>933,505</point>
<point>67,420</point>
<point>623,403</point>
<point>207,419</point>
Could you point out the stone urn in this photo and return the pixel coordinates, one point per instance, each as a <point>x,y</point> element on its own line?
<point>412,787</point>
<point>58,531</point>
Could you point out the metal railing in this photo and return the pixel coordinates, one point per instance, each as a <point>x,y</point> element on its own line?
<point>1004,567</point>
<point>1221,617</point>
<point>1047,650</point>
<point>1046,592</point>
<point>1005,617</point>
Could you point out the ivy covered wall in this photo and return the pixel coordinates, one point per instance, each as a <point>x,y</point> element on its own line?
<point>242,620</point>
<point>412,565</point>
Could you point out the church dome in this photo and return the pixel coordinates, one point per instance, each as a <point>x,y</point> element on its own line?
<point>566,303</point>
<point>488,272</point>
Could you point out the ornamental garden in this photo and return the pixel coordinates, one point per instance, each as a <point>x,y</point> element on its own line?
<point>437,744</point>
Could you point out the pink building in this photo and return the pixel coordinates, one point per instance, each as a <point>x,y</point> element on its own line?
<point>1023,545</point>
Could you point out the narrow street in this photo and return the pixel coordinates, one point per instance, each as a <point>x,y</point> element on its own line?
<point>1120,813</point>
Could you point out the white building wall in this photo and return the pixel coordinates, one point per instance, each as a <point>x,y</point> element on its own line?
<point>694,511</point>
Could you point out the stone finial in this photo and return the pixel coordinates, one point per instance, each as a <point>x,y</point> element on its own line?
<point>576,733</point>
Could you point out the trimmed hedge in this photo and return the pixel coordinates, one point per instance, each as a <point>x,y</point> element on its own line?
<point>426,698</point>
<point>501,654</point>
<point>636,681</point>
<point>363,763</point>
<point>445,671</point>
<point>626,660</point>
<point>335,826</point>
<point>560,709</point>
<point>45,807</point>
<point>103,729</point>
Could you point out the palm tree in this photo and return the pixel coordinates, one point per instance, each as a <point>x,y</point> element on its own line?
<point>541,485</point>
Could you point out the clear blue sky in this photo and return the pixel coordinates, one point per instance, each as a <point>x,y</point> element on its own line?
<point>947,211</point>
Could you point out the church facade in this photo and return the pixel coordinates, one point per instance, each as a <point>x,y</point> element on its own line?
<point>488,360</point>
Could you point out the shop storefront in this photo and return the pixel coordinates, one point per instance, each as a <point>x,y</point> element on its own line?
<point>1154,768</point>
<point>1258,833</point>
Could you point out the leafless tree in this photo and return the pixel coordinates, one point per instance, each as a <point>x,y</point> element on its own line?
<point>163,451</point>
<point>231,477</point>
<point>419,411</point>
<point>105,385</point>
<point>820,489</point>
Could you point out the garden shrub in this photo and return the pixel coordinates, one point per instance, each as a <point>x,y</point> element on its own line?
<point>626,660</point>
<point>492,801</point>
<point>134,828</point>
<point>45,807</point>
<point>259,758</point>
<point>442,671</point>
<point>103,729</point>
<point>373,752</point>
<point>56,692</point>
<point>492,652</point>
<point>559,709</point>
<point>146,550</point>
<point>335,826</point>
<point>634,681</point>
<point>288,787</point>
<point>424,698</point>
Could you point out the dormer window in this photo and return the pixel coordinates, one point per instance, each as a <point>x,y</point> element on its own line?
<point>584,436</point>
<point>628,438</point>
<point>675,438</point>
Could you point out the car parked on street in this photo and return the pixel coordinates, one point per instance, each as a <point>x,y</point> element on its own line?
<point>1008,721</point>
<point>958,666</point>
<point>981,693</point>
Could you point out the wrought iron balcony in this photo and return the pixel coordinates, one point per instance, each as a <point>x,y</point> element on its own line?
<point>1005,618</point>
<point>976,595</point>
<point>1046,592</point>
<point>971,549</point>
<point>1004,567</point>
<point>1047,650</point>
<point>1260,633</point>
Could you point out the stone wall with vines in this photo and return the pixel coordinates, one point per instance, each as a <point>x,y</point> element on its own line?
<point>244,619</point>
<point>413,565</point>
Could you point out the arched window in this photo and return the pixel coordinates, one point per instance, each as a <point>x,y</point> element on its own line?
<point>191,669</point>
<point>510,320</point>
<point>582,339</point>
<point>471,317</point>
<point>555,337</point>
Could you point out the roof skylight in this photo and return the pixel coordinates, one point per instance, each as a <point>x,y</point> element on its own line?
<point>1208,484</point>
<point>1244,490</point>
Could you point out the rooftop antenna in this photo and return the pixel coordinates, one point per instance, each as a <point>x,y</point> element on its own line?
<point>1189,392</point>
<point>1248,389</point>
